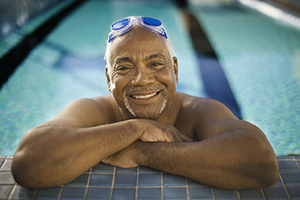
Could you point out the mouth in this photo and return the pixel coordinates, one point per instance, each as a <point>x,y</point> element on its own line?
<point>144,96</point>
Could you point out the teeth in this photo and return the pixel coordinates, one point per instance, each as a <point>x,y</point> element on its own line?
<point>143,96</point>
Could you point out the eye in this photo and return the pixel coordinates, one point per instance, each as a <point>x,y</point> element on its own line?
<point>122,68</point>
<point>156,64</point>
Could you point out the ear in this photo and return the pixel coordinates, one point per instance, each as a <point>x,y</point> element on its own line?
<point>107,77</point>
<point>175,68</point>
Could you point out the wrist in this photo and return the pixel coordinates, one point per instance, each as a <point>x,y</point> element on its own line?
<point>141,153</point>
<point>138,126</point>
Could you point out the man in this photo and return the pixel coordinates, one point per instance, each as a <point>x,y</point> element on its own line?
<point>145,122</point>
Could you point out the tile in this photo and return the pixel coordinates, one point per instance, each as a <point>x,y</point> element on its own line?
<point>6,178</point>
<point>251,194</point>
<point>149,193</point>
<point>291,178</point>
<point>98,193</point>
<point>173,180</point>
<point>225,194</point>
<point>148,170</point>
<point>125,180</point>
<point>6,166</point>
<point>80,181</point>
<point>123,193</point>
<point>49,193</point>
<point>23,193</point>
<point>285,157</point>
<point>126,170</point>
<point>279,182</point>
<point>288,166</point>
<point>191,182</point>
<point>101,180</point>
<point>149,180</point>
<point>200,193</point>
<point>297,157</point>
<point>74,193</point>
<point>175,193</point>
<point>103,168</point>
<point>294,192</point>
<point>273,193</point>
<point>5,191</point>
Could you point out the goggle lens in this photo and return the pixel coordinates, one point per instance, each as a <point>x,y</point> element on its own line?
<point>120,24</point>
<point>151,21</point>
<point>124,25</point>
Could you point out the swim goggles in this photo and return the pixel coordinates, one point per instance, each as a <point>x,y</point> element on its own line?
<point>120,27</point>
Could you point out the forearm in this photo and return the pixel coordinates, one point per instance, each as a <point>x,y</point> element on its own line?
<point>218,161</point>
<point>53,155</point>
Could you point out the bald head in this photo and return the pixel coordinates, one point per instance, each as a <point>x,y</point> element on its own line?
<point>141,37</point>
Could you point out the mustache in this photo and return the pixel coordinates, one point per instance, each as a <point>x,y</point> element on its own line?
<point>144,88</point>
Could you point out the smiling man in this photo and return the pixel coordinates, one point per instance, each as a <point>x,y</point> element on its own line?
<point>145,122</point>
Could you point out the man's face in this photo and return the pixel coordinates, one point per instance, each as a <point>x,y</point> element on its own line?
<point>140,73</point>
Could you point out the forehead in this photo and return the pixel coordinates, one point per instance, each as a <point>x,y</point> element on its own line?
<point>137,43</point>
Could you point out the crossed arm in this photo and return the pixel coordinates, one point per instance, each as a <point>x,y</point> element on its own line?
<point>235,155</point>
<point>59,151</point>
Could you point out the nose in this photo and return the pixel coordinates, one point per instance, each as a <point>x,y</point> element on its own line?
<point>142,77</point>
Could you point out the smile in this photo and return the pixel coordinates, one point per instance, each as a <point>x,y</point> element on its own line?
<point>136,96</point>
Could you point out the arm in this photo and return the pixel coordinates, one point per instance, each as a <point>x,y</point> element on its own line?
<point>60,150</point>
<point>232,154</point>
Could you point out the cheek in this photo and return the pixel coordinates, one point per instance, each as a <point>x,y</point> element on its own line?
<point>167,76</point>
<point>117,86</point>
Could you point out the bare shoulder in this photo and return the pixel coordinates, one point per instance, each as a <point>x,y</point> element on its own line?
<point>201,106</point>
<point>207,117</point>
<point>86,112</point>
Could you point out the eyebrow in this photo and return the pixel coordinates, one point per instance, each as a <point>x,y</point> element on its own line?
<point>127,59</point>
<point>158,55</point>
<point>124,59</point>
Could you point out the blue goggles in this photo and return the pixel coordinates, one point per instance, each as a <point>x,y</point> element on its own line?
<point>120,27</point>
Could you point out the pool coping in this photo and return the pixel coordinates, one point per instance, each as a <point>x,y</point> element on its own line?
<point>108,182</point>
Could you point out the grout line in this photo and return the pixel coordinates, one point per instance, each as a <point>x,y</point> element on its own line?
<point>284,186</point>
<point>137,182</point>
<point>239,195</point>
<point>187,189</point>
<point>296,162</point>
<point>169,186</point>
<point>213,193</point>
<point>88,184</point>
<point>162,185</point>
<point>113,183</point>
<point>263,193</point>
<point>35,193</point>
<point>12,190</point>
<point>60,192</point>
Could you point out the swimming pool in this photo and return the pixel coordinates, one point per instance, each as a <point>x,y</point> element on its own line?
<point>69,65</point>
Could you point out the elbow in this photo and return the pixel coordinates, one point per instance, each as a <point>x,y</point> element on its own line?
<point>264,171</point>
<point>22,174</point>
<point>25,173</point>
<point>270,173</point>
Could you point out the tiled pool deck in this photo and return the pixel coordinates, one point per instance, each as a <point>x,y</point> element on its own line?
<point>107,182</point>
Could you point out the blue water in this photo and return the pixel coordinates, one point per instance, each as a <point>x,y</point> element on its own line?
<point>260,58</point>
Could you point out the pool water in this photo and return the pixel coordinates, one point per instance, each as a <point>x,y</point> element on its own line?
<point>260,58</point>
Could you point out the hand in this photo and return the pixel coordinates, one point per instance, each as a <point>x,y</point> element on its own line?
<point>124,158</point>
<point>158,132</point>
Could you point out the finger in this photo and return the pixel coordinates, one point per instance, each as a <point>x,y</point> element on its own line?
<point>185,138</point>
